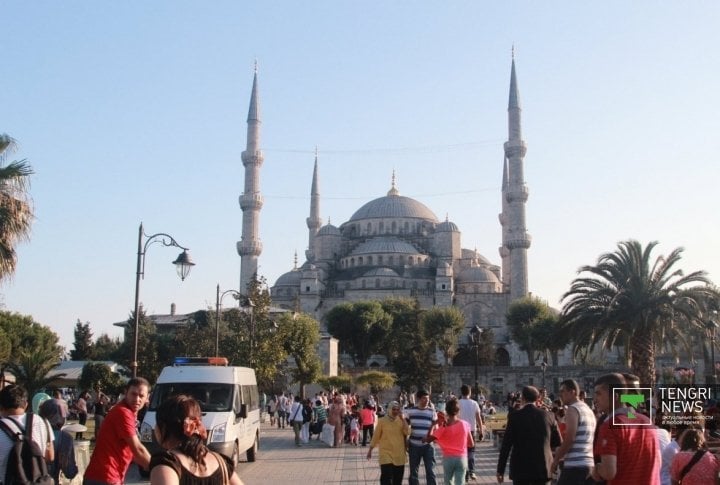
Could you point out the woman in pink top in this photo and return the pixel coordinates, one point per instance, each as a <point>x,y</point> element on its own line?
<point>454,439</point>
<point>704,471</point>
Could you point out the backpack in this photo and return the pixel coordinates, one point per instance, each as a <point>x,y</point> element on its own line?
<point>26,462</point>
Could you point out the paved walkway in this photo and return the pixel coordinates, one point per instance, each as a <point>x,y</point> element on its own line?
<point>280,461</point>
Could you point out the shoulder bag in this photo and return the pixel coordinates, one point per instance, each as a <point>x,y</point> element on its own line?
<point>696,458</point>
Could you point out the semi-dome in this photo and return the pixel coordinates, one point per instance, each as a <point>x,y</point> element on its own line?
<point>328,230</point>
<point>384,245</point>
<point>394,205</point>
<point>381,272</point>
<point>291,278</point>
<point>477,275</point>
<point>473,254</point>
<point>447,226</point>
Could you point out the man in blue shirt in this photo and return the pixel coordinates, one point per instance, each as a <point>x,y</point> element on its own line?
<point>421,419</point>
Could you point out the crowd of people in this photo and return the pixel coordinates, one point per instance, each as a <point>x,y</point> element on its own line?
<point>564,440</point>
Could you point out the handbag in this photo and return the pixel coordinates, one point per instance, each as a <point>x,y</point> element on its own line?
<point>696,458</point>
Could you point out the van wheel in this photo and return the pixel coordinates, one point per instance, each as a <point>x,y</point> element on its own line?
<point>252,451</point>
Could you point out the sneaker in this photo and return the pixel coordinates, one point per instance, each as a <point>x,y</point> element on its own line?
<point>471,476</point>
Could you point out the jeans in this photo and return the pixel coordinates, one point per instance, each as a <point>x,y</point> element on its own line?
<point>454,468</point>
<point>391,474</point>
<point>426,453</point>
<point>367,429</point>
<point>575,476</point>
<point>471,460</point>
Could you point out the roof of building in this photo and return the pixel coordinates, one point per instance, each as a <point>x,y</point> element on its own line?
<point>328,230</point>
<point>382,272</point>
<point>384,245</point>
<point>477,274</point>
<point>447,226</point>
<point>291,278</point>
<point>394,206</point>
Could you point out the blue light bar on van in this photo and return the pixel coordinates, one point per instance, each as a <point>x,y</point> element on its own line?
<point>200,361</point>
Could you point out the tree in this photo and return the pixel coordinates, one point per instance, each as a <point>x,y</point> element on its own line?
<point>149,362</point>
<point>300,335</point>
<point>32,367</point>
<point>444,326</point>
<point>332,383</point>
<point>362,328</point>
<point>83,342</point>
<point>628,299</point>
<point>465,355</point>
<point>375,381</point>
<point>16,212</point>
<point>197,337</point>
<point>97,375</point>
<point>523,317</point>
<point>106,348</point>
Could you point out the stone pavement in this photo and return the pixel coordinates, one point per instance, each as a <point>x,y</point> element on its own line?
<point>280,461</point>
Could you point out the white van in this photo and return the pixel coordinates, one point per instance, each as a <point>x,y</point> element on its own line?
<point>228,397</point>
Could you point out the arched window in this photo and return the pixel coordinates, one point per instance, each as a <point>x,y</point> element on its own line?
<point>370,260</point>
<point>410,260</point>
<point>391,260</point>
<point>352,261</point>
<point>360,261</point>
<point>502,357</point>
<point>394,227</point>
<point>380,260</point>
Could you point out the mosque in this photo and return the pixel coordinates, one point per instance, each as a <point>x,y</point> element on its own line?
<point>395,246</point>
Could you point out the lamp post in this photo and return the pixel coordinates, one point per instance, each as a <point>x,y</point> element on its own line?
<point>474,336</point>
<point>182,263</point>
<point>248,303</point>
<point>543,367</point>
<point>218,302</point>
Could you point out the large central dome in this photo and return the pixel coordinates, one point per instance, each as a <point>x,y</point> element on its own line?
<point>394,205</point>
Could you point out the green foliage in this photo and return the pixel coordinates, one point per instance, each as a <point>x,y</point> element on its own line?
<point>523,318</point>
<point>97,375</point>
<point>300,335</point>
<point>362,328</point>
<point>16,211</point>
<point>32,367</point>
<point>83,342</point>
<point>628,299</point>
<point>443,326</point>
<point>341,382</point>
<point>149,362</point>
<point>375,381</point>
<point>27,336</point>
<point>106,348</point>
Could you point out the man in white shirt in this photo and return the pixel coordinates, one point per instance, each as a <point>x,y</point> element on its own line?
<point>13,404</point>
<point>470,413</point>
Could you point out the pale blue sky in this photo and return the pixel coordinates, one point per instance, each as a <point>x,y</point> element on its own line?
<point>135,111</point>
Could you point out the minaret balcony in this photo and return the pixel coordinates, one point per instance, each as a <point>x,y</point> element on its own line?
<point>515,148</point>
<point>516,193</point>
<point>249,248</point>
<point>251,201</point>
<point>253,158</point>
<point>518,241</point>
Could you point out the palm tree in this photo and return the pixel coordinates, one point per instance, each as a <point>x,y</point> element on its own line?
<point>16,212</point>
<point>626,299</point>
<point>33,368</point>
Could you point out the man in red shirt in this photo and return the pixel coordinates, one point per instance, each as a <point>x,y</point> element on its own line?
<point>118,444</point>
<point>627,447</point>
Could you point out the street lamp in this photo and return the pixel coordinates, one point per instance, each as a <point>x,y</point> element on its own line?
<point>182,263</point>
<point>543,367</point>
<point>474,336</point>
<point>248,303</point>
<point>236,294</point>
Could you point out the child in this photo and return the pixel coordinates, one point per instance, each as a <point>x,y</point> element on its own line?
<point>354,430</point>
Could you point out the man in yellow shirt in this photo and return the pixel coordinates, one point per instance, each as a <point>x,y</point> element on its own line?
<point>391,437</point>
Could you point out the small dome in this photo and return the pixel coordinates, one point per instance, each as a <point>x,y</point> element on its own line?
<point>385,245</point>
<point>291,278</point>
<point>447,226</point>
<point>477,275</point>
<point>473,254</point>
<point>382,272</point>
<point>328,230</point>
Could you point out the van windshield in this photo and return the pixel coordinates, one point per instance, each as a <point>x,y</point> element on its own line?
<point>212,397</point>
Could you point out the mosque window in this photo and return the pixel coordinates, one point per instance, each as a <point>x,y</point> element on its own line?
<point>360,261</point>
<point>401,260</point>
<point>394,227</point>
<point>391,260</point>
<point>369,227</point>
<point>370,260</point>
<point>443,286</point>
<point>307,289</point>
<point>410,260</point>
<point>352,261</point>
<point>476,289</point>
<point>403,283</point>
<point>407,226</point>
<point>377,282</point>
<point>414,285</point>
<point>428,285</point>
<point>380,260</point>
<point>381,227</point>
<point>363,284</point>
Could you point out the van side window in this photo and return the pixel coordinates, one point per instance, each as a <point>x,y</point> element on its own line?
<point>238,399</point>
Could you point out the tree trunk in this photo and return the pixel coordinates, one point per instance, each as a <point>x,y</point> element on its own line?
<point>642,354</point>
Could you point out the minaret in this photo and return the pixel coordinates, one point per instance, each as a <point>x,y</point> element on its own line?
<point>516,195</point>
<point>313,222</point>
<point>250,247</point>
<point>504,251</point>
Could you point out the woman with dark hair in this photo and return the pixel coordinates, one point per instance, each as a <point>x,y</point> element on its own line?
<point>694,464</point>
<point>64,445</point>
<point>454,439</point>
<point>186,460</point>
